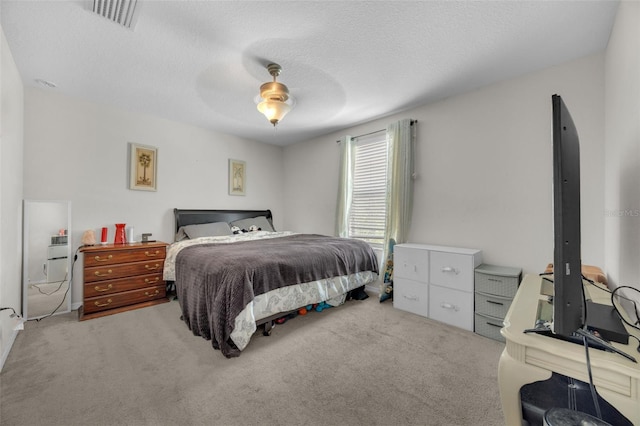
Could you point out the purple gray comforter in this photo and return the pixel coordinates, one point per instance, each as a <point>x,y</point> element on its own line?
<point>214,282</point>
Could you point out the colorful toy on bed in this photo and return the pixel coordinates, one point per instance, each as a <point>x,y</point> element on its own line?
<point>237,230</point>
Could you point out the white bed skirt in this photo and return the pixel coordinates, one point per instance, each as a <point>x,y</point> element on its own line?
<point>331,290</point>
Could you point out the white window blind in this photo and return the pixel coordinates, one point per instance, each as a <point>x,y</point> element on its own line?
<point>367,214</point>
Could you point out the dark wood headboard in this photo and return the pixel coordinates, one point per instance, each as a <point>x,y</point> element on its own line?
<point>195,217</point>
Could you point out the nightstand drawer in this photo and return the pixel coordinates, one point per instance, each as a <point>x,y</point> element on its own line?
<point>411,296</point>
<point>451,270</point>
<point>96,304</point>
<point>453,307</point>
<point>101,288</point>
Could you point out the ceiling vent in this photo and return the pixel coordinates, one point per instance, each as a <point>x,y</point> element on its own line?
<point>122,12</point>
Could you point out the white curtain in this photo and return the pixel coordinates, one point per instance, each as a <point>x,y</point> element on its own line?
<point>399,203</point>
<point>345,186</point>
<point>400,172</point>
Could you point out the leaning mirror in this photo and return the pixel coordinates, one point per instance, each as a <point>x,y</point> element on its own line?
<point>46,258</point>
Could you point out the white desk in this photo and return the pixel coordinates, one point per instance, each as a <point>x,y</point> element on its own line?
<point>532,357</point>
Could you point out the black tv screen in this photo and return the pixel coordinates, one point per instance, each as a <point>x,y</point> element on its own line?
<point>568,297</point>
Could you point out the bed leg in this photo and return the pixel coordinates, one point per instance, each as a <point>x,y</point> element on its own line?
<point>268,326</point>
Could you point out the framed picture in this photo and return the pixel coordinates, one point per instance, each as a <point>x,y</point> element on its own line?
<point>143,167</point>
<point>237,177</point>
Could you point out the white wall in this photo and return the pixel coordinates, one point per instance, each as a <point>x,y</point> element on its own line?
<point>484,161</point>
<point>11,140</point>
<point>622,152</point>
<point>76,150</point>
<point>483,158</point>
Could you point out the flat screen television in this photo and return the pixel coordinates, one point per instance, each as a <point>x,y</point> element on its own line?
<point>571,309</point>
<point>568,295</point>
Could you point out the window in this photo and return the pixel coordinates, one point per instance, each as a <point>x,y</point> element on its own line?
<point>367,213</point>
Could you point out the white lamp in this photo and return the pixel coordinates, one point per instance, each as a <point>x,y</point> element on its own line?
<point>274,96</point>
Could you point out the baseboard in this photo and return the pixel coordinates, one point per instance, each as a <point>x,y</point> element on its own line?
<point>7,348</point>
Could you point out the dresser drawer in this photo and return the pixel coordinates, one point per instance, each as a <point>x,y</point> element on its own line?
<point>115,256</point>
<point>451,270</point>
<point>101,303</point>
<point>450,306</point>
<point>410,263</point>
<point>498,280</point>
<point>122,277</point>
<point>489,304</point>
<point>489,326</point>
<point>119,271</point>
<point>101,288</point>
<point>410,296</point>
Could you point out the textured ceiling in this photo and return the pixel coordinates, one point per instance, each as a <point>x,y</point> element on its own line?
<point>345,62</point>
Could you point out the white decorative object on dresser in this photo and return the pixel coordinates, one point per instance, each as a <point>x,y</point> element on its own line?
<point>496,287</point>
<point>436,282</point>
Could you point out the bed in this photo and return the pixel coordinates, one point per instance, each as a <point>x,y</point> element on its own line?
<point>233,272</point>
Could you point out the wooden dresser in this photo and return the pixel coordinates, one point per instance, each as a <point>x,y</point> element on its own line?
<point>122,277</point>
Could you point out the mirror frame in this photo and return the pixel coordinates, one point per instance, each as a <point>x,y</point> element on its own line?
<point>27,207</point>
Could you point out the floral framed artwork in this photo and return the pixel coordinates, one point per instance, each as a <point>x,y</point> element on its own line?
<point>237,177</point>
<point>143,167</point>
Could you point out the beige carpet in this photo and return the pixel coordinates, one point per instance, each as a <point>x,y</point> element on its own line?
<point>364,363</point>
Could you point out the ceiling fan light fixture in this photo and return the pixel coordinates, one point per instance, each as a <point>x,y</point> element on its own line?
<point>274,97</point>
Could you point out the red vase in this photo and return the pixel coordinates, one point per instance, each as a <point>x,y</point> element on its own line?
<point>121,236</point>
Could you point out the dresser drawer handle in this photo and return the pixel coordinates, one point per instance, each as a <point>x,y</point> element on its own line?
<point>157,292</point>
<point>414,298</point>
<point>494,325</point>
<point>495,303</point>
<point>109,287</point>
<point>147,280</point>
<point>152,254</point>
<point>449,306</point>
<point>152,268</point>
<point>103,304</point>
<point>447,269</point>
<point>98,274</point>
<point>99,259</point>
